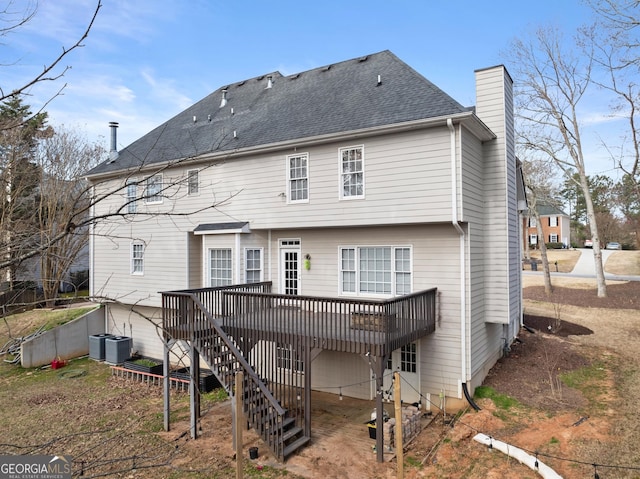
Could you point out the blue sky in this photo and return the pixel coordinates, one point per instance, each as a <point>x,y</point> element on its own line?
<point>146,60</point>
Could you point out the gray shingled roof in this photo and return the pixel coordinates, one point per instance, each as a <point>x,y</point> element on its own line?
<point>549,210</point>
<point>327,100</point>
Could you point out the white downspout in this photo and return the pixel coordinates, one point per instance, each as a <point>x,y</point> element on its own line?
<point>463,277</point>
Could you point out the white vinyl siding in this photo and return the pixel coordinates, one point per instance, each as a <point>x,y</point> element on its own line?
<point>220,267</point>
<point>377,270</point>
<point>131,195</point>
<point>153,190</point>
<point>352,172</point>
<point>137,258</point>
<point>298,178</point>
<point>253,265</point>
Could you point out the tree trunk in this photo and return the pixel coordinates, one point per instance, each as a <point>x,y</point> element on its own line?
<point>595,237</point>
<point>548,287</point>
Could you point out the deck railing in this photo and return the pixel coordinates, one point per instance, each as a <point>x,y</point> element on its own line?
<point>350,325</point>
<point>344,324</point>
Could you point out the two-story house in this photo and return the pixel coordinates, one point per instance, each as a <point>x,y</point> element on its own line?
<point>371,217</point>
<point>555,226</point>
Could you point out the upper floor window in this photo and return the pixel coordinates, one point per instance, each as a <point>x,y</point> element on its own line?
<point>253,265</point>
<point>352,172</point>
<point>153,193</point>
<point>193,182</point>
<point>220,272</point>
<point>553,221</point>
<point>137,258</point>
<point>298,177</point>
<point>532,222</point>
<point>382,270</point>
<point>131,195</point>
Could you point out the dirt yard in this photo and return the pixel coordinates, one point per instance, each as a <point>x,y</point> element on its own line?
<point>570,384</point>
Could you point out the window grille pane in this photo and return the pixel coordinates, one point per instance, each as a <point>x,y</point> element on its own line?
<point>253,265</point>
<point>137,258</point>
<point>352,172</point>
<point>132,193</point>
<point>193,182</point>
<point>298,178</point>
<point>220,267</point>
<point>154,188</point>
<point>408,358</point>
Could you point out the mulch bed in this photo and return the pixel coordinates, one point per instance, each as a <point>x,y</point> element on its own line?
<point>619,296</point>
<point>541,349</point>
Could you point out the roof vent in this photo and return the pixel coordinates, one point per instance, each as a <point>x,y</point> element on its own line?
<point>269,81</point>
<point>363,59</point>
<point>223,101</point>
<point>208,117</point>
<point>195,118</point>
<point>379,80</point>
<point>327,68</point>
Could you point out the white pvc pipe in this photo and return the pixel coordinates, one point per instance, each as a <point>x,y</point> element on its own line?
<point>528,460</point>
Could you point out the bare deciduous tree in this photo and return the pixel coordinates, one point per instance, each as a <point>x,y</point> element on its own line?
<point>538,175</point>
<point>15,15</point>
<point>551,82</point>
<point>62,159</point>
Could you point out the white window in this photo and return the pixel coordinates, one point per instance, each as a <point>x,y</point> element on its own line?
<point>288,358</point>
<point>352,172</point>
<point>553,221</point>
<point>298,177</point>
<point>220,273</point>
<point>137,258</point>
<point>533,239</point>
<point>553,238</point>
<point>132,194</point>
<point>377,270</point>
<point>253,265</point>
<point>193,182</point>
<point>153,193</point>
<point>532,222</point>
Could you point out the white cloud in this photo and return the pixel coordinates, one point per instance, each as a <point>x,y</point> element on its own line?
<point>165,90</point>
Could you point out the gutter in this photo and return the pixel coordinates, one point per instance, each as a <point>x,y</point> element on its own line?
<point>471,120</point>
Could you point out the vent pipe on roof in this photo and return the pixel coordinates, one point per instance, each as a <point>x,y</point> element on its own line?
<point>223,102</point>
<point>269,81</point>
<point>379,80</point>
<point>113,150</point>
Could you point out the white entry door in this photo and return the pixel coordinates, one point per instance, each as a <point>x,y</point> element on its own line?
<point>290,268</point>
<point>405,361</point>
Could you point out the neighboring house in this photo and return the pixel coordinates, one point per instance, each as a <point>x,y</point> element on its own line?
<point>555,226</point>
<point>357,190</point>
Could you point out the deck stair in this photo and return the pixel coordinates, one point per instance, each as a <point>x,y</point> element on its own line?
<point>263,412</point>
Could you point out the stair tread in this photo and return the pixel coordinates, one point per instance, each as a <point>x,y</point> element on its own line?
<point>294,446</point>
<point>291,433</point>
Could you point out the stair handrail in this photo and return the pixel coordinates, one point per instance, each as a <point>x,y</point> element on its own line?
<point>234,350</point>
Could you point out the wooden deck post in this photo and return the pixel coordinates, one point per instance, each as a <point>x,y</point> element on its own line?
<point>379,364</point>
<point>397,398</point>
<point>194,391</point>
<point>166,384</point>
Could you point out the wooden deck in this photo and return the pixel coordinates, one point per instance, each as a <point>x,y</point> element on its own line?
<point>274,338</point>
